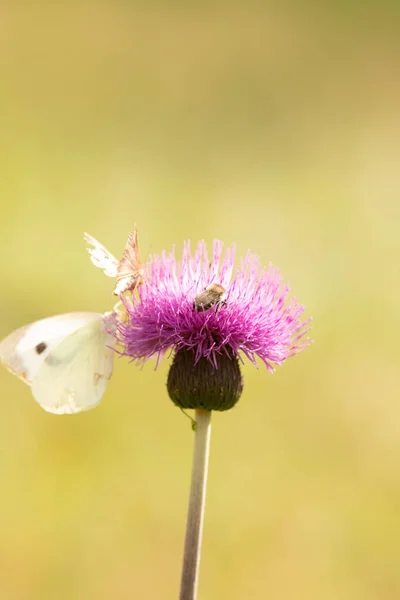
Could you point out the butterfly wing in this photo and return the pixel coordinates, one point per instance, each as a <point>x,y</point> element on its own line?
<point>24,351</point>
<point>101,257</point>
<point>74,375</point>
<point>129,271</point>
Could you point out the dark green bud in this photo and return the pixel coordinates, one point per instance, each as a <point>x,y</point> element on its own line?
<point>201,385</point>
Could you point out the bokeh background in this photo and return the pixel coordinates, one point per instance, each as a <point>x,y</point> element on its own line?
<point>274,125</point>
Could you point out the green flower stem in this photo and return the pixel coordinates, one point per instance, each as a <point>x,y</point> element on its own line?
<point>194,525</point>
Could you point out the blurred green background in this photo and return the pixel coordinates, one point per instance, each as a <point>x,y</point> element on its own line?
<point>272,125</point>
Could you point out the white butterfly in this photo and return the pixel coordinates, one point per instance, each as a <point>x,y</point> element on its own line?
<point>66,359</point>
<point>128,271</point>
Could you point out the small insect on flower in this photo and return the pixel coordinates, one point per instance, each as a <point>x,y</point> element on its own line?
<point>128,271</point>
<point>213,295</point>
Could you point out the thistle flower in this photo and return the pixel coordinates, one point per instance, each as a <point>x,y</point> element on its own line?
<point>256,318</point>
<point>211,318</point>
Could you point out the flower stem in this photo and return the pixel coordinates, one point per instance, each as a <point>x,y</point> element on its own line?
<point>194,525</point>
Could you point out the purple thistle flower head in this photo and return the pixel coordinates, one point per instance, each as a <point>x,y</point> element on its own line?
<point>247,312</point>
